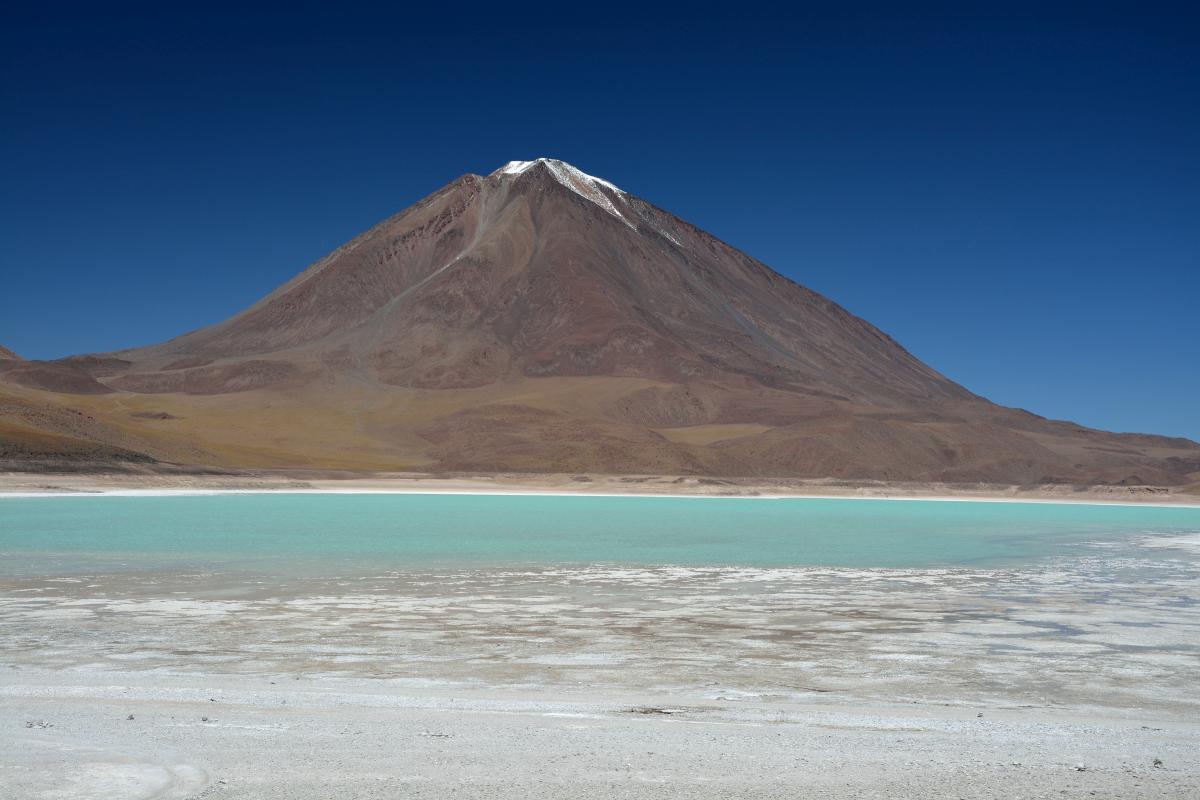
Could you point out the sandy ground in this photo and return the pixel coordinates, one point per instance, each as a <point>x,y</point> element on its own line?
<point>300,480</point>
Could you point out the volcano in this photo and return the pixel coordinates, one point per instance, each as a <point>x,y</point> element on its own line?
<point>539,319</point>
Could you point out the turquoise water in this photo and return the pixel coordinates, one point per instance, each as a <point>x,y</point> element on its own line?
<point>335,534</point>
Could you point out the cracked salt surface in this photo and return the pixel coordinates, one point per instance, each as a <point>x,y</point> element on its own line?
<point>1118,630</point>
<point>602,681</point>
<point>1189,542</point>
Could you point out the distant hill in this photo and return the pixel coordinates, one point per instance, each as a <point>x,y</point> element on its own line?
<point>540,319</point>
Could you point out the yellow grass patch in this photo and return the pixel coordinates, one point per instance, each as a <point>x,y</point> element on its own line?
<point>708,434</point>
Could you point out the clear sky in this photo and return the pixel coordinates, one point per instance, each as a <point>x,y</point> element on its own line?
<point>1013,193</point>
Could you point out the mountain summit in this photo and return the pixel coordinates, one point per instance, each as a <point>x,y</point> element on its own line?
<point>541,270</point>
<point>542,319</point>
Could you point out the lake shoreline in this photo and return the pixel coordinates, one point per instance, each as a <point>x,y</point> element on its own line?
<point>26,484</point>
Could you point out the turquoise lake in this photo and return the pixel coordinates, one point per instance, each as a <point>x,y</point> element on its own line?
<point>350,533</point>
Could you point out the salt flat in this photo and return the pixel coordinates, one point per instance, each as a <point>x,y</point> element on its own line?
<point>245,738</point>
<point>1072,674</point>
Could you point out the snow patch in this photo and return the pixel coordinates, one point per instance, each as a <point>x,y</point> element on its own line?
<point>669,237</point>
<point>514,167</point>
<point>575,179</point>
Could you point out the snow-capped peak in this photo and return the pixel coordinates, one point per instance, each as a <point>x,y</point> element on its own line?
<point>556,166</point>
<point>578,181</point>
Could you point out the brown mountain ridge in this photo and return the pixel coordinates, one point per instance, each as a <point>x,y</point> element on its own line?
<point>539,319</point>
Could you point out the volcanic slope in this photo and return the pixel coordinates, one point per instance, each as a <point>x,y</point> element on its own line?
<point>541,319</point>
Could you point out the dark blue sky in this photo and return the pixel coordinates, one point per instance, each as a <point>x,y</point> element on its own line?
<point>1012,194</point>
